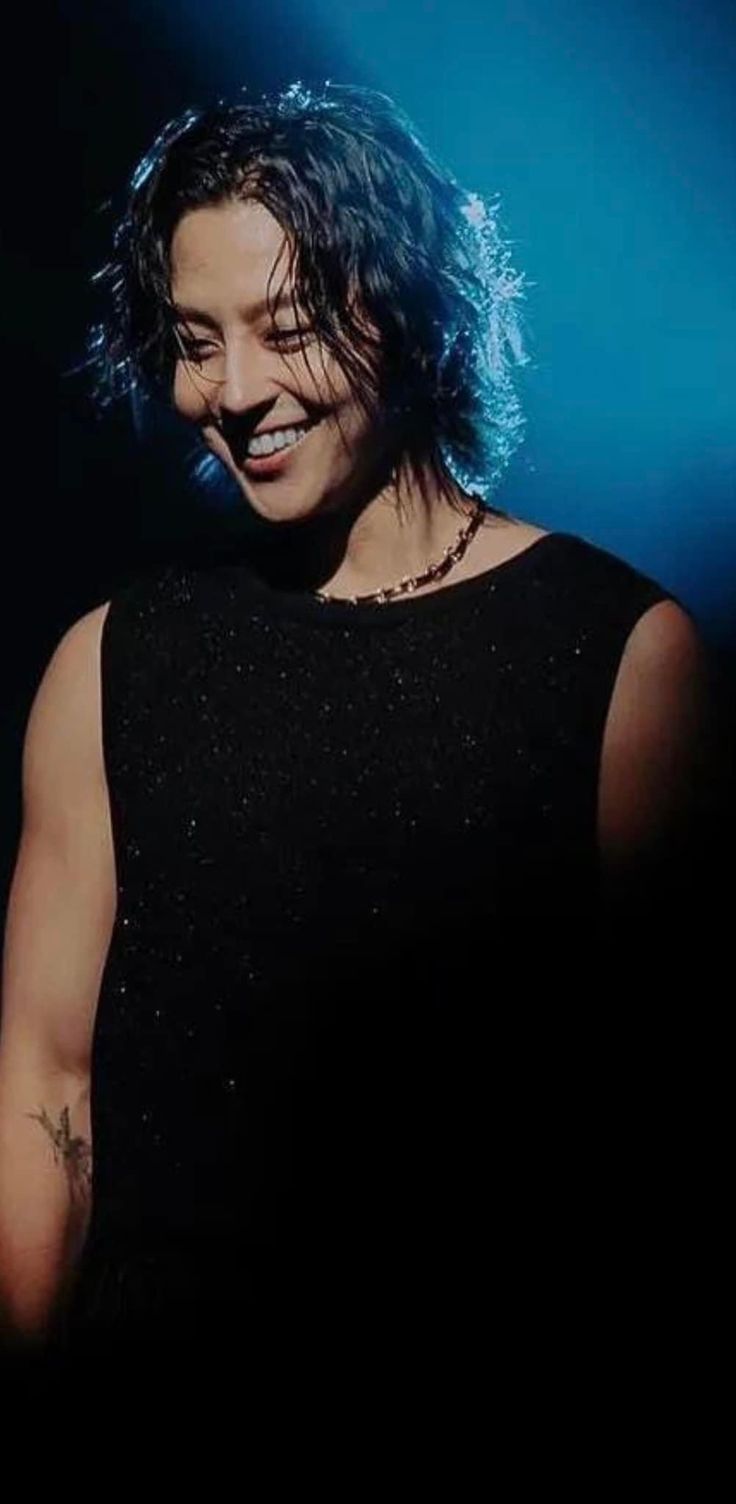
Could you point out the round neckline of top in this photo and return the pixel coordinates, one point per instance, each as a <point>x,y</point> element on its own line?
<point>303,605</point>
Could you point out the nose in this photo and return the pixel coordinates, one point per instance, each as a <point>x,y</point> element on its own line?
<point>245,386</point>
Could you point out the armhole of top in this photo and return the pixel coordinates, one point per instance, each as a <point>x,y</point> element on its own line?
<point>123,602</point>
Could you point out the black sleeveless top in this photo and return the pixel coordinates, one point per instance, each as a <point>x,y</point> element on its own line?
<point>357,866</point>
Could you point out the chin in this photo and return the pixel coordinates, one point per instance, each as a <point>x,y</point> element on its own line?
<point>280,502</point>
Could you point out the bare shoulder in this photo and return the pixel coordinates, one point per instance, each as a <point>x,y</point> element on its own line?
<point>64,734</point>
<point>84,634</point>
<point>76,653</point>
<point>658,736</point>
<point>664,671</point>
<point>77,650</point>
<point>666,628</point>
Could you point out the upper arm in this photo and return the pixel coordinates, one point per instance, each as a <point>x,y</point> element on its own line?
<point>658,752</point>
<point>63,892</point>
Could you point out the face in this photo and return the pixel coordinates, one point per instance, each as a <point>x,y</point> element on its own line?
<point>243,372</point>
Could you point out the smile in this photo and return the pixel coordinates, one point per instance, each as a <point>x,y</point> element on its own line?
<point>269,452</point>
<point>277,438</point>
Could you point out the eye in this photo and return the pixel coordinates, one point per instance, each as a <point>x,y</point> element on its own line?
<point>289,337</point>
<point>196,350</point>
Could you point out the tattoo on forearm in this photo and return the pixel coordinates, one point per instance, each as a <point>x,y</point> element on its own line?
<point>74,1151</point>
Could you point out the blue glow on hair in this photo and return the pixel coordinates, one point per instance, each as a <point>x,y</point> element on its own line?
<point>477,289</point>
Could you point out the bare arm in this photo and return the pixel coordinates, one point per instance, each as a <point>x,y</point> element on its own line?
<point>662,770</point>
<point>60,916</point>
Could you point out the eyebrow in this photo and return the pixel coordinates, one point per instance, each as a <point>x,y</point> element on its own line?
<point>197,315</point>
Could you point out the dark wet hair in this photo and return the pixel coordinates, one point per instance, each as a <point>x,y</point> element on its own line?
<point>364,206</point>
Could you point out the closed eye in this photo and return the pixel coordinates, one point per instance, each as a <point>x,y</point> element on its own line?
<point>288,336</point>
<point>194,349</point>
<point>198,350</point>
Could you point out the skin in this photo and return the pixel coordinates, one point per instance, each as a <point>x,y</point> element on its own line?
<point>225,260</point>
<point>71,1150</point>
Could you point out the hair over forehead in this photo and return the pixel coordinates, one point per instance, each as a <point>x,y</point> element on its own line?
<point>374,225</point>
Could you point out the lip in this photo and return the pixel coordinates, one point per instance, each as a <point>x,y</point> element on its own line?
<point>270,464</point>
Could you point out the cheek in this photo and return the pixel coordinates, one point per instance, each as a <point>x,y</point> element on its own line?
<point>319,377</point>
<point>186,399</point>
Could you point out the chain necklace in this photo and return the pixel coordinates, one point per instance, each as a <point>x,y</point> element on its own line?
<point>412,582</point>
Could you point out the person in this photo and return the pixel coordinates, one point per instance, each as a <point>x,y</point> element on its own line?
<point>309,921</point>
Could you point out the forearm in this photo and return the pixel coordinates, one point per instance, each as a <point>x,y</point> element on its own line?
<point>45,1205</point>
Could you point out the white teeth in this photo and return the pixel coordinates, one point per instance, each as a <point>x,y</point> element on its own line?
<point>279,438</point>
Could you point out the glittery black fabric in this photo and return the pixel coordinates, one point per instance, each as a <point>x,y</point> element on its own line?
<point>356,860</point>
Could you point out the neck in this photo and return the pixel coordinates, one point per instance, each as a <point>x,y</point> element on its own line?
<point>398,531</point>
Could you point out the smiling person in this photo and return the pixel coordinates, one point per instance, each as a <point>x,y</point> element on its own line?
<point>313,833</point>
